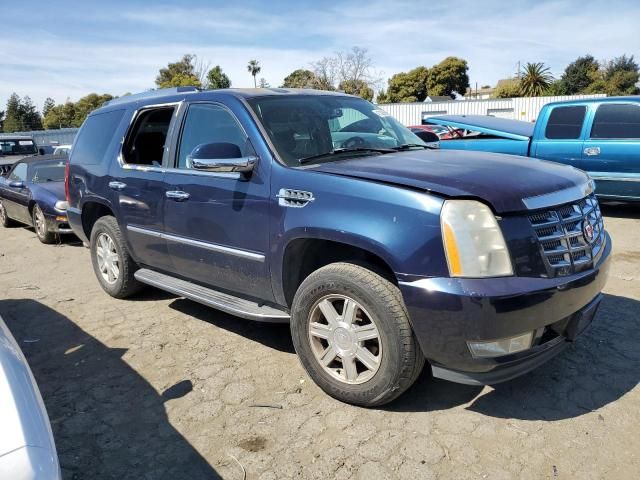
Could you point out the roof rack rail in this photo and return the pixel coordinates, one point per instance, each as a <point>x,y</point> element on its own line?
<point>151,94</point>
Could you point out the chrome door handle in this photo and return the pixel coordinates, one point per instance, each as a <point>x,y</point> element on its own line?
<point>592,151</point>
<point>117,186</point>
<point>177,195</point>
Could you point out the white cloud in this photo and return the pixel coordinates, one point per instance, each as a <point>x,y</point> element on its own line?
<point>116,54</point>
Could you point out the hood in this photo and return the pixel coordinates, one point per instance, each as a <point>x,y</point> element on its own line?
<point>503,181</point>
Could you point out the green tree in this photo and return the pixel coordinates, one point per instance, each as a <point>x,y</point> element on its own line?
<point>179,74</point>
<point>449,76</point>
<point>29,115</point>
<point>408,86</point>
<point>509,88</point>
<point>217,78</point>
<point>300,78</point>
<point>60,116</point>
<point>536,80</point>
<point>12,121</point>
<point>254,68</point>
<point>49,103</point>
<point>357,87</point>
<point>88,104</point>
<point>579,75</point>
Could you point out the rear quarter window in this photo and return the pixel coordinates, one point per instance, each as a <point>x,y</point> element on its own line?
<point>565,123</point>
<point>94,137</point>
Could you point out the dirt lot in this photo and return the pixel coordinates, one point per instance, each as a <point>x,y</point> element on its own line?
<point>160,387</point>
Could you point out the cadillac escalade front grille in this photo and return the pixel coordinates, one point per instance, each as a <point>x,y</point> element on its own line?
<point>571,236</point>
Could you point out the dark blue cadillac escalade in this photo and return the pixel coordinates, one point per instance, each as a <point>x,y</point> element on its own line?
<point>321,210</point>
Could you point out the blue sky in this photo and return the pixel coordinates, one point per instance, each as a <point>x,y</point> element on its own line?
<point>66,49</point>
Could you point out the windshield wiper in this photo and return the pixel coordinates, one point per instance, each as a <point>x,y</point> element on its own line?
<point>407,146</point>
<point>337,151</point>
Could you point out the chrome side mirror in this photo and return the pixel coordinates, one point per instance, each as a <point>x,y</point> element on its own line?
<point>220,157</point>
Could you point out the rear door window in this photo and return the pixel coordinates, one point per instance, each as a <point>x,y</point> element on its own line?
<point>616,120</point>
<point>147,138</point>
<point>94,137</point>
<point>565,123</point>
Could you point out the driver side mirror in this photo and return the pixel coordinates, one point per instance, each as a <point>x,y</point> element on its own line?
<point>220,157</point>
<point>16,184</point>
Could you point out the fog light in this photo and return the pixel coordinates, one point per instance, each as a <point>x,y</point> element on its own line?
<point>504,346</point>
<point>61,218</point>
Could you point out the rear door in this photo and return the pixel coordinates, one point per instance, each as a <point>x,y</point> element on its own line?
<point>611,151</point>
<point>563,134</point>
<point>137,184</point>
<point>216,224</point>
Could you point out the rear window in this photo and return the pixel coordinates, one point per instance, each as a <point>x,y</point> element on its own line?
<point>617,120</point>
<point>565,123</point>
<point>95,136</point>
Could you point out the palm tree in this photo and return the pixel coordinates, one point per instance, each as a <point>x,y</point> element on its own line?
<point>536,80</point>
<point>254,69</point>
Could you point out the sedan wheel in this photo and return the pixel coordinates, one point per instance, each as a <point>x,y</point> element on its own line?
<point>40,226</point>
<point>108,259</point>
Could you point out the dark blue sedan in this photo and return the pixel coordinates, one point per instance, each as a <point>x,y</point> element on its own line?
<point>32,193</point>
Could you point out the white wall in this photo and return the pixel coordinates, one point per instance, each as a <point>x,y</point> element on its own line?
<point>526,109</point>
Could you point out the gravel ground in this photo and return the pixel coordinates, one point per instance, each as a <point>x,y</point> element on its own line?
<point>160,387</point>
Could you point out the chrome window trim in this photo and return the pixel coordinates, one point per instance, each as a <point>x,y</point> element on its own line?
<point>559,197</point>
<point>258,257</point>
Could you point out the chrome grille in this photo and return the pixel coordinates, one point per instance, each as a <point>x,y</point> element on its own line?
<point>561,235</point>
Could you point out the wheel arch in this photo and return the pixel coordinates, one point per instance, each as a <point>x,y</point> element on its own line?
<point>92,211</point>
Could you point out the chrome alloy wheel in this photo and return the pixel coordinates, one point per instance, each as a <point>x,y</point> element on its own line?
<point>345,339</point>
<point>40,223</point>
<point>108,260</point>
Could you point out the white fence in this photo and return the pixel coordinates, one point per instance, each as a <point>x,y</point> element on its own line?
<point>526,109</point>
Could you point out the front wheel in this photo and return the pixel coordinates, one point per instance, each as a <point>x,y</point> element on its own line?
<point>111,261</point>
<point>351,330</point>
<point>40,226</point>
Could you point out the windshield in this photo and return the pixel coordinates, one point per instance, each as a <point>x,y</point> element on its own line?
<point>303,126</point>
<point>42,172</point>
<point>17,147</point>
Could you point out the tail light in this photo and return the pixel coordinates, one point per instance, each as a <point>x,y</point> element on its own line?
<point>66,183</point>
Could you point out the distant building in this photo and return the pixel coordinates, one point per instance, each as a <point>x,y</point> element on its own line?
<point>438,98</point>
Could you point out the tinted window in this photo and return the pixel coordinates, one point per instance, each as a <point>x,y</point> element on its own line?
<point>42,172</point>
<point>17,147</point>
<point>211,124</point>
<point>95,136</point>
<point>565,122</point>
<point>617,120</point>
<point>19,173</point>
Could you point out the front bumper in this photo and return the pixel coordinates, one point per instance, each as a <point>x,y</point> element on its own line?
<point>446,313</point>
<point>58,223</point>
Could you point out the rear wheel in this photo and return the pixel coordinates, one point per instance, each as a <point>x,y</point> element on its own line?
<point>351,331</point>
<point>111,261</point>
<point>4,218</point>
<point>40,226</point>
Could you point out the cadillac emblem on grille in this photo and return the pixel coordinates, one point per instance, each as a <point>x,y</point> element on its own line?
<point>587,229</point>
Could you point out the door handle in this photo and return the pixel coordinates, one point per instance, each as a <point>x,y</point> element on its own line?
<point>177,195</point>
<point>117,186</point>
<point>592,151</point>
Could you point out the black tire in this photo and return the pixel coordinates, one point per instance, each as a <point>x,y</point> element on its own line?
<point>4,219</point>
<point>125,283</point>
<point>401,359</point>
<point>40,226</point>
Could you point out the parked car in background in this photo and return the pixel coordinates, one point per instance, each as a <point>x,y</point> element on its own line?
<point>427,135</point>
<point>319,209</point>
<point>14,148</point>
<point>600,136</point>
<point>443,133</point>
<point>27,448</point>
<point>62,150</point>
<point>32,193</point>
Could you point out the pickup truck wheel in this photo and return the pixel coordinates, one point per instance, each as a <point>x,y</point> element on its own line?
<point>111,261</point>
<point>351,331</point>
<point>40,226</point>
<point>4,218</point>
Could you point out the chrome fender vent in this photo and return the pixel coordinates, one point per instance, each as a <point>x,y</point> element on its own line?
<point>288,197</point>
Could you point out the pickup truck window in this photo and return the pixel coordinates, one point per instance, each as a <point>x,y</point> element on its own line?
<point>17,147</point>
<point>146,140</point>
<point>208,123</point>
<point>565,123</point>
<point>94,137</point>
<point>305,126</point>
<point>616,120</point>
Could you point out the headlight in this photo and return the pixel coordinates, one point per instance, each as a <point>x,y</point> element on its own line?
<point>473,241</point>
<point>62,205</point>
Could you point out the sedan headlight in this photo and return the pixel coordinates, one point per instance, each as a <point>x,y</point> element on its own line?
<point>62,205</point>
<point>473,241</point>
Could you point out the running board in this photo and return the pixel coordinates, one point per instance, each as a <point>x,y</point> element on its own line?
<point>212,298</point>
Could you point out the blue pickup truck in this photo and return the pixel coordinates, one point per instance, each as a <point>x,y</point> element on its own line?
<point>600,136</point>
<point>321,210</point>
